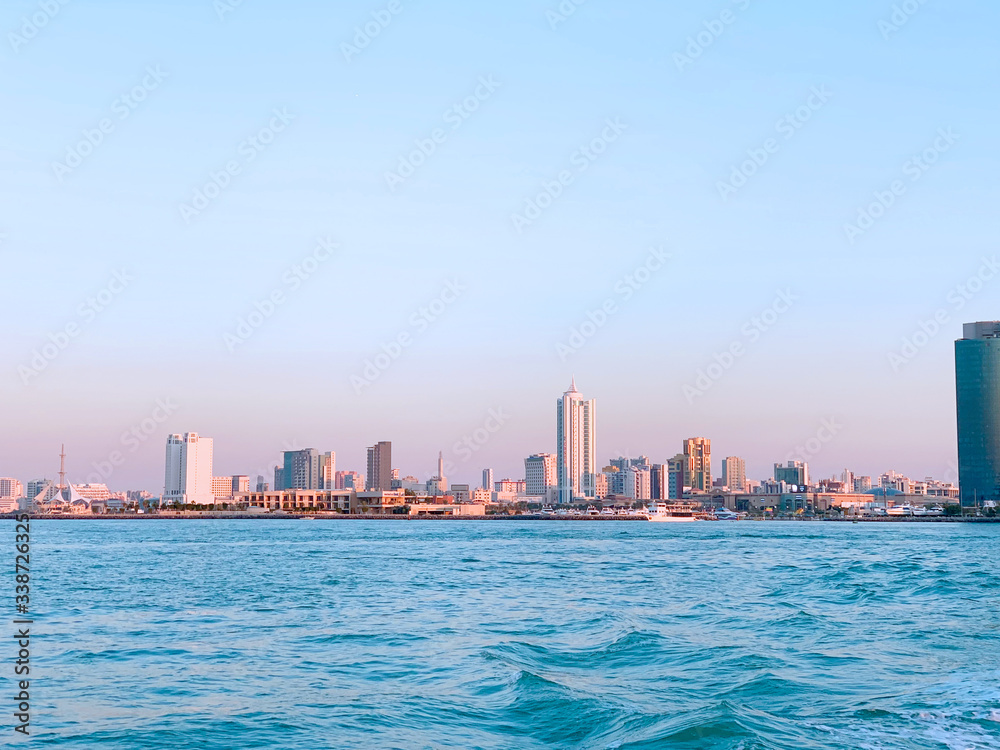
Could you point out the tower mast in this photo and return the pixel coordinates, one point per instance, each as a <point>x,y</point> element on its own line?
<point>62,466</point>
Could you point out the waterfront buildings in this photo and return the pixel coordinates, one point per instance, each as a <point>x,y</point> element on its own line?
<point>658,482</point>
<point>93,492</point>
<point>510,486</point>
<point>327,470</point>
<point>229,486</point>
<point>601,488</point>
<point>698,464</point>
<point>36,486</point>
<point>379,478</point>
<point>539,474</point>
<point>676,474</point>
<point>734,473</point>
<point>188,474</point>
<point>349,480</point>
<point>438,484</point>
<point>629,478</point>
<point>10,488</point>
<point>977,386</point>
<point>576,445</point>
<point>301,470</point>
<point>222,486</point>
<point>793,473</point>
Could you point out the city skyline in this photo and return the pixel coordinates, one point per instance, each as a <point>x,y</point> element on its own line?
<point>639,278</point>
<point>309,468</point>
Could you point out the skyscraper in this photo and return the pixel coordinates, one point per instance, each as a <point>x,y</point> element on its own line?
<point>188,475</point>
<point>301,470</point>
<point>379,478</point>
<point>576,445</point>
<point>734,473</point>
<point>488,479</point>
<point>698,464</point>
<point>676,473</point>
<point>658,482</point>
<point>328,471</point>
<point>977,385</point>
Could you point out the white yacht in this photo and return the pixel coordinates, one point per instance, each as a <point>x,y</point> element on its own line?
<point>671,513</point>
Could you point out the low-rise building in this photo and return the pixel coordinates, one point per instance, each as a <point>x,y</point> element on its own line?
<point>334,501</point>
<point>448,509</point>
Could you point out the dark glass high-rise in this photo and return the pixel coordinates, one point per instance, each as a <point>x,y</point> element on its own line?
<point>977,381</point>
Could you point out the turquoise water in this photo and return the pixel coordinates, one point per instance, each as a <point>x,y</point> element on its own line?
<point>357,634</point>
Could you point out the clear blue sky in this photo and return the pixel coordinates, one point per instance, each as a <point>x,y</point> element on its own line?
<point>886,95</point>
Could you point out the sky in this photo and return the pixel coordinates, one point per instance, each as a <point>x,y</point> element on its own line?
<point>321,225</point>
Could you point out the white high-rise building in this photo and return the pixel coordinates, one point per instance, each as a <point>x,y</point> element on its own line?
<point>540,474</point>
<point>188,476</point>
<point>10,487</point>
<point>576,445</point>
<point>488,479</point>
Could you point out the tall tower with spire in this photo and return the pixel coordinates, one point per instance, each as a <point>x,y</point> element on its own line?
<point>576,445</point>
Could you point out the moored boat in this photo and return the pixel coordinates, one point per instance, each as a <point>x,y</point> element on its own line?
<point>671,513</point>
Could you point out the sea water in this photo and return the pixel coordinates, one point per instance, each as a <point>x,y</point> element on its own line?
<point>505,634</point>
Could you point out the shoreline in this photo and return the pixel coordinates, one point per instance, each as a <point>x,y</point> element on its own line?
<point>236,516</point>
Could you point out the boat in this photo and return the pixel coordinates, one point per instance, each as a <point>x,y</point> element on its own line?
<point>673,513</point>
<point>724,514</point>
<point>592,511</point>
<point>607,512</point>
<point>900,510</point>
